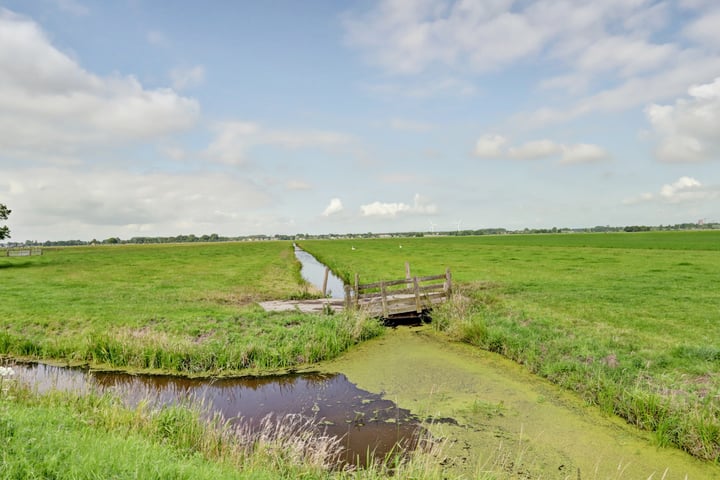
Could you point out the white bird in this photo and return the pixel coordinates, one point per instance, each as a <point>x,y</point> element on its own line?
<point>400,246</point>
<point>353,247</point>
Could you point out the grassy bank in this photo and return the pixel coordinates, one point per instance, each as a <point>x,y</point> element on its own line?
<point>186,309</point>
<point>628,321</point>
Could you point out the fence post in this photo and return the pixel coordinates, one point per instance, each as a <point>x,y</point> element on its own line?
<point>418,306</point>
<point>357,290</point>
<point>383,292</point>
<point>407,274</point>
<point>448,282</point>
<point>325,280</point>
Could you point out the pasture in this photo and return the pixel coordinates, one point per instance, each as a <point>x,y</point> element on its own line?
<point>187,309</point>
<point>628,321</point>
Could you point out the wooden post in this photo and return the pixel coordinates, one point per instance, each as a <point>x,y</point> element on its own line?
<point>348,305</point>
<point>418,306</point>
<point>324,289</point>
<point>383,293</point>
<point>448,282</point>
<point>407,274</point>
<point>357,292</point>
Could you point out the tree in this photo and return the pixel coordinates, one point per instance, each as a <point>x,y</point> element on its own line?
<point>4,230</point>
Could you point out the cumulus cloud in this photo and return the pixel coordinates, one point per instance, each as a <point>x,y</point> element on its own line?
<point>411,37</point>
<point>687,131</point>
<point>421,205</point>
<point>50,105</point>
<point>608,54</point>
<point>534,149</point>
<point>683,190</point>
<point>183,78</point>
<point>335,206</point>
<point>704,30</point>
<point>491,145</point>
<point>582,153</point>
<point>234,138</point>
<point>74,203</point>
<point>497,146</point>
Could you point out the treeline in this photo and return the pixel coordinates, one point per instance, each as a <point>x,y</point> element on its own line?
<point>214,237</point>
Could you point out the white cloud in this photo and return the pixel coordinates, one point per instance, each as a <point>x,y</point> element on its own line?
<point>50,106</point>
<point>683,190</point>
<point>688,130</point>
<point>297,185</point>
<point>499,147</point>
<point>411,37</point>
<point>234,138</point>
<point>183,78</point>
<point>491,145</point>
<point>335,206</point>
<point>77,202</point>
<point>582,153</point>
<point>705,30</point>
<point>421,205</point>
<point>535,149</point>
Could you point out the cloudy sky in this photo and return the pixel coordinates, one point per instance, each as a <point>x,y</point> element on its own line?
<point>141,118</point>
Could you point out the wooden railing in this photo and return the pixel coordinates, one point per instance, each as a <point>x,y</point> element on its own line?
<point>22,252</point>
<point>399,297</point>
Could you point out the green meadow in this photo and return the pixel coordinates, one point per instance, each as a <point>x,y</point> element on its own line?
<point>628,321</point>
<point>187,309</point>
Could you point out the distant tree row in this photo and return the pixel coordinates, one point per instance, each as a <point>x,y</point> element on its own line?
<point>214,237</point>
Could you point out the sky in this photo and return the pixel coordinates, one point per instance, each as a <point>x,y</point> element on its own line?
<point>130,118</point>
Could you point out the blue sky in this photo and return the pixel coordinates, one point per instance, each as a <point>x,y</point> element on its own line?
<point>142,118</point>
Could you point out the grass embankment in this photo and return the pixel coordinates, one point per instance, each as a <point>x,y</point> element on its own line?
<point>628,321</point>
<point>185,309</point>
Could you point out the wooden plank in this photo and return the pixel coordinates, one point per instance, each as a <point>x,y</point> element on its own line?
<point>384,299</point>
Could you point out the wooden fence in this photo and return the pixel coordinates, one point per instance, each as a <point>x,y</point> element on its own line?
<point>23,252</point>
<point>410,295</point>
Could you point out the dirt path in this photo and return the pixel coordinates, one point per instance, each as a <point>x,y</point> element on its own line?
<point>506,418</point>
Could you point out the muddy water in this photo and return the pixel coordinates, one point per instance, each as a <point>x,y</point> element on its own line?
<point>506,418</point>
<point>365,421</point>
<point>314,272</point>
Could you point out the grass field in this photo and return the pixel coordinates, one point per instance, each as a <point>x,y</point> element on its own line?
<point>175,308</point>
<point>628,321</point>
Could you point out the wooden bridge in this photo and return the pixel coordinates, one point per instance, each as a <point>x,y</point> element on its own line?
<point>399,298</point>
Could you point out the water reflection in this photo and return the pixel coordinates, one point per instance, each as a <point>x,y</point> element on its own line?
<point>366,421</point>
<point>314,272</point>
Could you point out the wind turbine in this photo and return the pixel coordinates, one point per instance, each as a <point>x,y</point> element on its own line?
<point>432,227</point>
<point>458,225</point>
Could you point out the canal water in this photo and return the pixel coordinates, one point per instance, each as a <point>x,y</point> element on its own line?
<point>314,272</point>
<point>365,422</point>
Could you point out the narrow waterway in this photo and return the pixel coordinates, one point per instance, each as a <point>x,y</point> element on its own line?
<point>507,419</point>
<point>366,422</point>
<point>314,272</point>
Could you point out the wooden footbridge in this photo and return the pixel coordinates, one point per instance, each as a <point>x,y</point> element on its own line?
<point>389,299</point>
<point>409,296</point>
